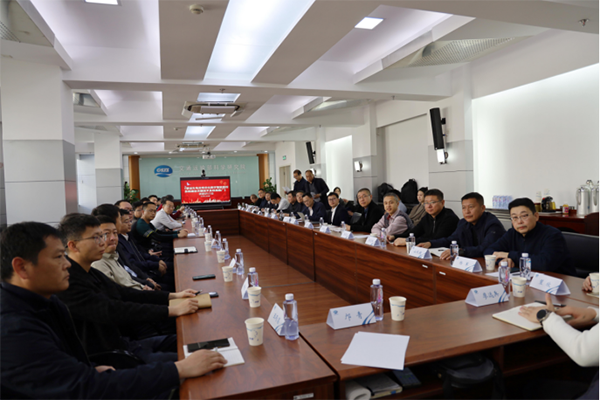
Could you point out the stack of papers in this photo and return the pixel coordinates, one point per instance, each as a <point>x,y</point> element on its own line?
<point>377,350</point>
<point>232,354</point>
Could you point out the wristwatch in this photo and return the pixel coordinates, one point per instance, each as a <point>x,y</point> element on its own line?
<point>543,315</point>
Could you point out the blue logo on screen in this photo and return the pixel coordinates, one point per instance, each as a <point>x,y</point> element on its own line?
<point>163,171</point>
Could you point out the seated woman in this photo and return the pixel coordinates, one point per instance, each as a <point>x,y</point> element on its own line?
<point>343,202</point>
<point>418,211</point>
<point>395,221</point>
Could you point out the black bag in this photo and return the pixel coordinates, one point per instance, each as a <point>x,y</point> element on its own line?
<point>382,190</point>
<point>467,371</point>
<point>409,191</point>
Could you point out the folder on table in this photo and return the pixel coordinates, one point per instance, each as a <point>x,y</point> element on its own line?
<point>203,300</point>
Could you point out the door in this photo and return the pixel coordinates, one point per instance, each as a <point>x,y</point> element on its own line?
<point>284,179</point>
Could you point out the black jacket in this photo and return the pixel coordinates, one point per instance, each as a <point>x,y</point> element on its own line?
<point>301,185</point>
<point>99,307</point>
<point>322,189</point>
<point>294,208</point>
<point>341,214</point>
<point>443,225</point>
<point>42,357</point>
<point>318,212</point>
<point>133,257</point>
<point>370,216</point>
<point>144,233</point>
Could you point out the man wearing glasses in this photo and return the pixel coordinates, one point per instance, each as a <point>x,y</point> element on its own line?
<point>439,222</point>
<point>545,244</point>
<point>371,212</point>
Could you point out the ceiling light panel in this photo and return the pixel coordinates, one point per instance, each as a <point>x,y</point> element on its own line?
<point>108,2</point>
<point>218,97</point>
<point>368,23</point>
<point>250,33</point>
<point>198,132</point>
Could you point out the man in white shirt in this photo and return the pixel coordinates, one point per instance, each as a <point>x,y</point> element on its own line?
<point>163,220</point>
<point>282,204</point>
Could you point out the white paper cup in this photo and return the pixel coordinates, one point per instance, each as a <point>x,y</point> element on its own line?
<point>254,328</point>
<point>221,256</point>
<point>519,285</point>
<point>254,296</point>
<point>208,245</point>
<point>227,273</point>
<point>398,307</point>
<point>594,279</point>
<point>490,262</point>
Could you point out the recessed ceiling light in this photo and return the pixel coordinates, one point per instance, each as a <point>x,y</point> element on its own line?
<point>235,151</point>
<point>266,151</point>
<point>135,152</point>
<point>108,2</point>
<point>368,23</point>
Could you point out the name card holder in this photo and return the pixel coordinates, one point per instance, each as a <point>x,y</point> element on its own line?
<point>467,264</point>
<point>349,316</point>
<point>324,229</point>
<point>232,264</point>
<point>287,219</point>
<point>420,252</point>
<point>274,216</point>
<point>245,290</point>
<point>308,225</point>
<point>347,235</point>
<point>549,284</point>
<point>276,319</point>
<point>294,221</point>
<point>486,295</point>
<point>372,241</point>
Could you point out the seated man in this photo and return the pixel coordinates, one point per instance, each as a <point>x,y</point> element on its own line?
<point>269,204</point>
<point>279,203</point>
<point>101,308</point>
<point>262,201</point>
<point>300,197</point>
<point>124,205</point>
<point>475,232</point>
<point>145,232</point>
<point>42,357</point>
<point>395,221</point>
<point>545,244</point>
<point>253,199</point>
<point>163,220</point>
<point>312,210</point>
<point>293,205</point>
<point>439,222</point>
<point>154,199</point>
<point>338,213</point>
<point>176,214</point>
<point>138,210</point>
<point>371,212</point>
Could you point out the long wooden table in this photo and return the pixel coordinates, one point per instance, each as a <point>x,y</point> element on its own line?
<point>320,267</point>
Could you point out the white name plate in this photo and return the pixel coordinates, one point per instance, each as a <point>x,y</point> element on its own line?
<point>486,295</point>
<point>232,263</point>
<point>274,216</point>
<point>245,290</point>
<point>372,241</point>
<point>324,229</point>
<point>347,235</point>
<point>466,264</point>
<point>294,221</point>
<point>308,225</point>
<point>346,317</point>
<point>549,284</point>
<point>276,319</point>
<point>420,252</point>
<point>287,219</point>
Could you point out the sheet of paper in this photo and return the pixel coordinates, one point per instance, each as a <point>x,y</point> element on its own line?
<point>232,354</point>
<point>593,295</point>
<point>191,235</point>
<point>438,251</point>
<point>377,350</point>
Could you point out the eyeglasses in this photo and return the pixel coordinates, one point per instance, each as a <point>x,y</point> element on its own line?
<point>98,239</point>
<point>364,197</point>
<point>522,217</point>
<point>431,203</point>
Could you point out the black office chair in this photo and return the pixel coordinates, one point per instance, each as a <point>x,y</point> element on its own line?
<point>584,252</point>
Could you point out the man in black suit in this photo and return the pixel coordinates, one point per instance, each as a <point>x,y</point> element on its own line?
<point>318,188</point>
<point>371,212</point>
<point>313,210</point>
<point>301,185</point>
<point>338,213</point>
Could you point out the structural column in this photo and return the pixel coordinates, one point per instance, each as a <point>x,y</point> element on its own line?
<point>364,151</point>
<point>134,172</point>
<point>109,168</point>
<point>38,142</point>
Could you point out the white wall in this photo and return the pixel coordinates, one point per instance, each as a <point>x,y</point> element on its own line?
<point>338,155</point>
<point>406,152</point>
<point>86,183</point>
<point>543,135</point>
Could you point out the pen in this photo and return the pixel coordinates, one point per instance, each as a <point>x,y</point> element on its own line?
<point>198,292</point>
<point>555,305</point>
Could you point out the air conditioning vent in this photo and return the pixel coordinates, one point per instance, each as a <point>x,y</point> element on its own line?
<point>211,108</point>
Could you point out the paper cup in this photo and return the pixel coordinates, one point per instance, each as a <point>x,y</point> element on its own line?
<point>254,296</point>
<point>227,273</point>
<point>208,245</point>
<point>594,280</point>
<point>398,307</point>
<point>254,328</point>
<point>221,256</point>
<point>490,262</point>
<point>519,285</point>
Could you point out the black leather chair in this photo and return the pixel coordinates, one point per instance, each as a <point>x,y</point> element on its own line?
<point>584,252</point>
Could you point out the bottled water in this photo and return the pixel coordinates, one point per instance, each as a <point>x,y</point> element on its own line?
<point>453,251</point>
<point>217,242</point>
<point>343,226</point>
<point>504,275</point>
<point>383,238</point>
<point>410,242</point>
<point>377,299</point>
<point>290,317</point>
<point>208,233</point>
<point>525,266</point>
<point>226,248</point>
<point>321,222</point>
<point>239,262</point>
<point>252,277</point>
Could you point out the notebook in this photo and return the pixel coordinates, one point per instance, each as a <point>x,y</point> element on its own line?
<point>512,317</point>
<point>203,300</point>
<point>232,354</point>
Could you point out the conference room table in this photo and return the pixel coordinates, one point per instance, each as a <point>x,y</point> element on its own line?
<point>326,271</point>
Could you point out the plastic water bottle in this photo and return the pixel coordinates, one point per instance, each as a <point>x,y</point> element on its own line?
<point>252,277</point>
<point>383,238</point>
<point>525,266</point>
<point>290,317</point>
<point>239,262</point>
<point>504,275</point>
<point>453,251</point>
<point>208,233</point>
<point>321,222</point>
<point>217,242</point>
<point>343,226</point>
<point>410,242</point>
<point>377,299</point>
<point>226,248</point>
